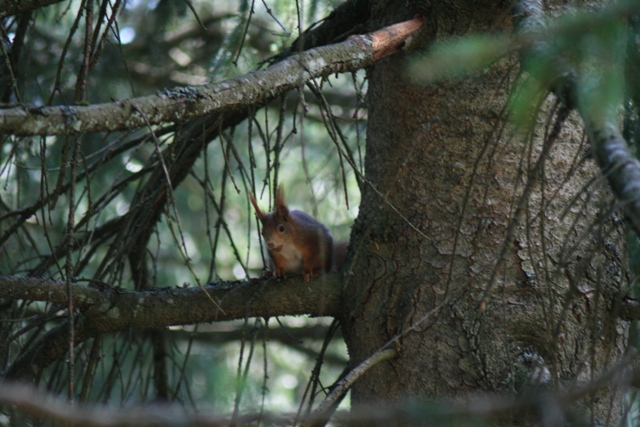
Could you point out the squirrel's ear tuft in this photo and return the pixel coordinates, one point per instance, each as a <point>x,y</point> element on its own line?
<point>281,206</point>
<point>261,215</point>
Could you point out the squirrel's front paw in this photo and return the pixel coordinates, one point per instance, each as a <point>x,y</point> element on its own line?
<point>309,274</point>
<point>275,274</point>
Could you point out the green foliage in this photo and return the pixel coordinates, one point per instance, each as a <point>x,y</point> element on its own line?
<point>586,45</point>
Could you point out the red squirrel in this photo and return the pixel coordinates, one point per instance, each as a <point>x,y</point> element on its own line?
<point>297,243</point>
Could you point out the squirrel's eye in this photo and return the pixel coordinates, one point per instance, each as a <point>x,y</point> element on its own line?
<point>281,228</point>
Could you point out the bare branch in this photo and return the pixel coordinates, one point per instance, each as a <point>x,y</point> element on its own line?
<point>185,103</point>
<point>110,310</point>
<point>324,409</point>
<point>107,310</point>
<point>44,405</point>
<point>40,404</point>
<point>292,337</point>
<point>13,7</point>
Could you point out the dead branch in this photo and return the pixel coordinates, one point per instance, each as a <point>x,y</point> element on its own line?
<point>183,103</point>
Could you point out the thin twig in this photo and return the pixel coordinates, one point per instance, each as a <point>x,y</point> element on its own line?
<point>343,386</point>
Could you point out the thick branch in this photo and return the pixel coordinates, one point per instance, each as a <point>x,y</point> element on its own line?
<point>185,103</point>
<point>105,310</point>
<point>110,310</point>
<point>13,7</point>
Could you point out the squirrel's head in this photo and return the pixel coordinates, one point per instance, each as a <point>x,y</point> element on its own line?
<point>276,226</point>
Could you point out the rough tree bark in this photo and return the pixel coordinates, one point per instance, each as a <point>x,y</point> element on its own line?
<point>464,246</point>
<point>485,258</point>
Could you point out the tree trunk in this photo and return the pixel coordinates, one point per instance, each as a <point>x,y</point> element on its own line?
<point>489,254</point>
